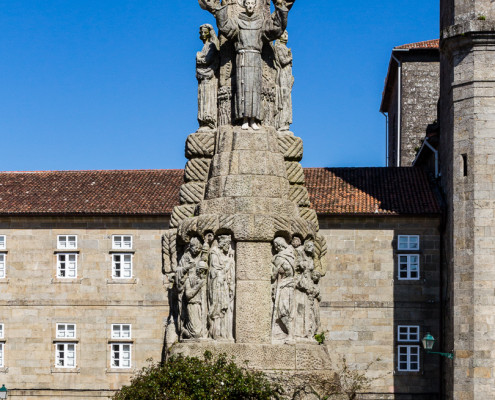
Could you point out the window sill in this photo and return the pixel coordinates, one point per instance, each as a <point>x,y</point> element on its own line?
<point>116,341</point>
<point>125,281</point>
<point>67,281</point>
<point>55,370</point>
<point>120,370</point>
<point>4,251</point>
<point>122,251</point>
<point>4,370</point>
<point>65,340</point>
<point>4,281</point>
<point>66,252</point>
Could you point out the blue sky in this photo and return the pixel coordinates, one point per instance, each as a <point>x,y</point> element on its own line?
<point>111,84</point>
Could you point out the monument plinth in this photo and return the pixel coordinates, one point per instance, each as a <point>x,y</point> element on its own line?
<point>243,255</point>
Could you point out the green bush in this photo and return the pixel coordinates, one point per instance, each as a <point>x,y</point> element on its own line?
<point>191,378</point>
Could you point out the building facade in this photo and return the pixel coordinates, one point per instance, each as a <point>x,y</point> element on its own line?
<point>84,302</point>
<point>409,100</point>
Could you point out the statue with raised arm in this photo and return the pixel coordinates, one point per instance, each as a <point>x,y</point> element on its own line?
<point>207,63</point>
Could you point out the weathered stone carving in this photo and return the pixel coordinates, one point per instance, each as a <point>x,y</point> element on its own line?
<point>207,63</point>
<point>250,30</point>
<point>283,290</point>
<point>295,291</point>
<point>285,82</point>
<point>221,289</point>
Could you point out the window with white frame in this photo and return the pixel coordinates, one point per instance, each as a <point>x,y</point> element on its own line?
<point>66,331</point>
<point>67,242</point>
<point>408,333</point>
<point>1,355</point>
<point>408,242</point>
<point>2,266</point>
<point>121,355</point>
<point>65,355</point>
<point>408,358</point>
<point>67,265</point>
<point>122,242</point>
<point>3,242</point>
<point>1,331</point>
<point>122,266</point>
<point>408,266</point>
<point>121,331</point>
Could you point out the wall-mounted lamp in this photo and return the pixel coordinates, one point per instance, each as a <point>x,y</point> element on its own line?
<point>3,392</point>
<point>429,342</point>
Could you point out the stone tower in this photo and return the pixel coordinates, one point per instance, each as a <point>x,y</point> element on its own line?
<point>468,171</point>
<point>244,256</point>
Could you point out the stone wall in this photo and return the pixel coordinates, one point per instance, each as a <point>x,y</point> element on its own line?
<point>420,93</point>
<point>363,301</point>
<point>420,90</point>
<point>33,300</point>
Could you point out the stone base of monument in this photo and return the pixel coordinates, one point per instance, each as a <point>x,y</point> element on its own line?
<point>299,368</point>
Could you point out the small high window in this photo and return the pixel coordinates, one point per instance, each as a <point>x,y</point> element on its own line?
<point>67,331</point>
<point>122,242</point>
<point>67,242</point>
<point>408,242</point>
<point>3,242</point>
<point>121,331</point>
<point>1,331</point>
<point>408,333</point>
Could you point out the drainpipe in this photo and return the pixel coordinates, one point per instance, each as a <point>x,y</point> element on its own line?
<point>435,151</point>
<point>386,138</point>
<point>399,105</point>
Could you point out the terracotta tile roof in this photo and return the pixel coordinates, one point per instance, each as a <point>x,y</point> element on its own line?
<point>361,191</point>
<point>370,191</point>
<point>428,44</point>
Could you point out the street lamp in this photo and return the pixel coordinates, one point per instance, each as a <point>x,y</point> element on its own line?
<point>3,392</point>
<point>429,342</point>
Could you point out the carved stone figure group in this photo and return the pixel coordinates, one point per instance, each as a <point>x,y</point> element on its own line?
<point>205,289</point>
<point>295,291</point>
<point>248,31</point>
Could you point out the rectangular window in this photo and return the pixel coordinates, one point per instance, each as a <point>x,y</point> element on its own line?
<point>408,333</point>
<point>408,242</point>
<point>65,355</point>
<point>2,266</point>
<point>67,265</point>
<point>122,242</point>
<point>1,331</point>
<point>67,242</point>
<point>408,267</point>
<point>3,242</point>
<point>66,331</point>
<point>408,358</point>
<point>122,266</point>
<point>121,355</point>
<point>121,331</point>
<point>1,355</point>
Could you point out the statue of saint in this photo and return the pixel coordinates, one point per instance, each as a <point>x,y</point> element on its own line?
<point>193,327</point>
<point>221,290</point>
<point>207,63</point>
<point>189,261</point>
<point>249,31</point>
<point>283,281</point>
<point>285,81</point>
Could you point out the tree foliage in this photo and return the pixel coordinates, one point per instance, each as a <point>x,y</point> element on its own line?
<point>192,378</point>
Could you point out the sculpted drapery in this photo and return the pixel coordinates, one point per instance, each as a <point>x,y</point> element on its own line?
<point>250,32</point>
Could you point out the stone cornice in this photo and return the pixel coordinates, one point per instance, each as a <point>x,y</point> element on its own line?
<point>467,34</point>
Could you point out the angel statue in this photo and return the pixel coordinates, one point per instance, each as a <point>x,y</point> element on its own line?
<point>249,31</point>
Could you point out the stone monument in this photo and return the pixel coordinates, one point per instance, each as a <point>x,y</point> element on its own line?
<point>243,254</point>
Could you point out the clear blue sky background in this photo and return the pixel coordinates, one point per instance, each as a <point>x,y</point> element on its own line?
<point>110,84</point>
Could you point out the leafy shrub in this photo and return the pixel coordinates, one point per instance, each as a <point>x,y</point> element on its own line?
<point>191,378</point>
